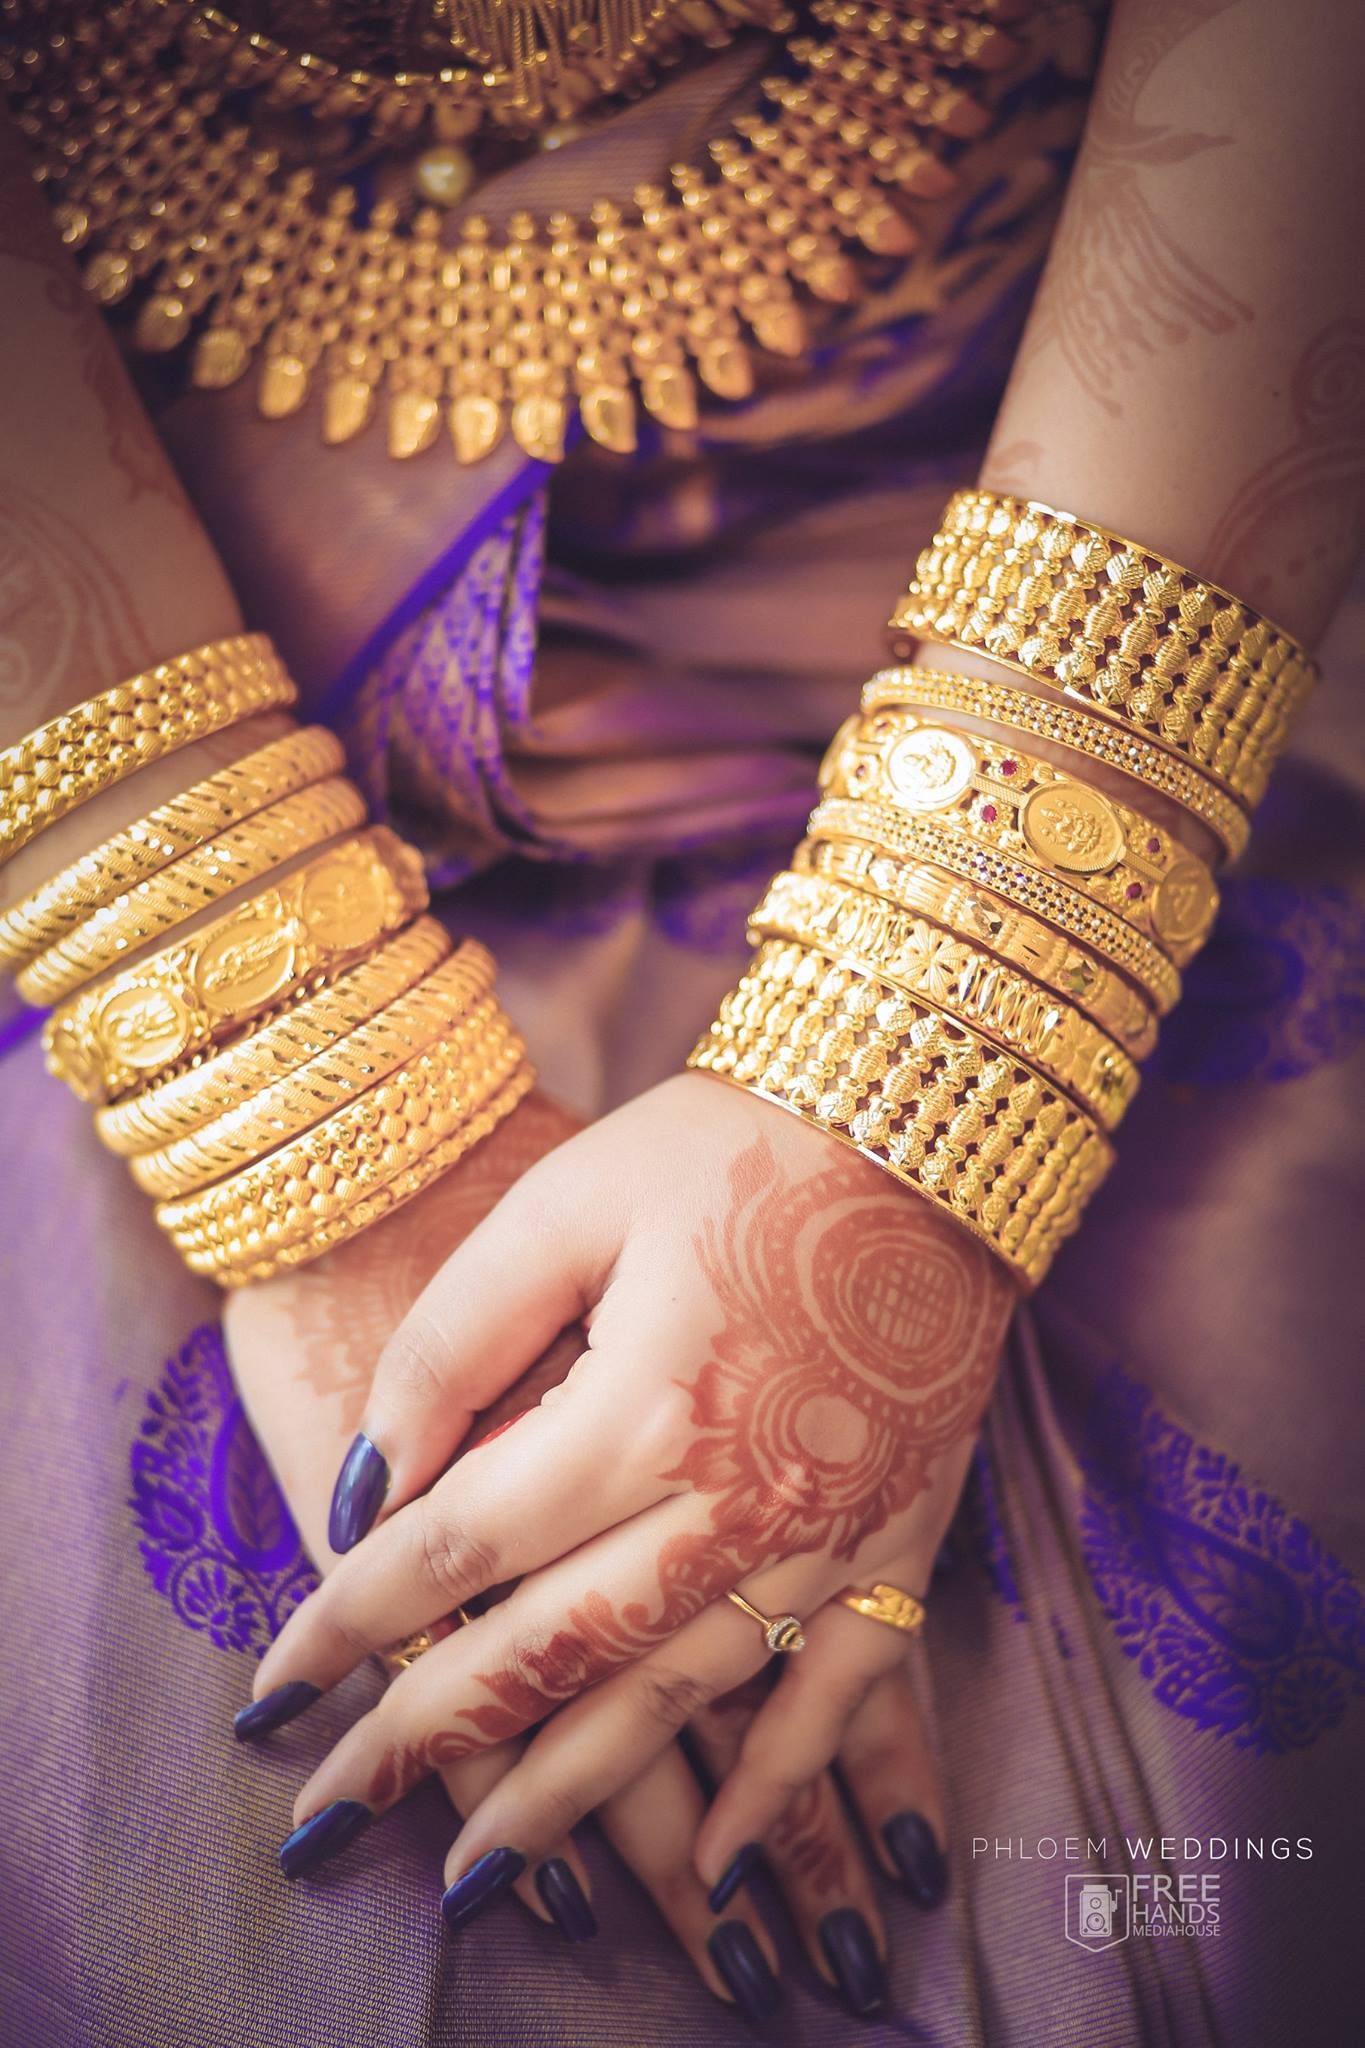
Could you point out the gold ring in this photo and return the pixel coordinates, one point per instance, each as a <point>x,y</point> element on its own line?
<point>412,1647</point>
<point>781,1632</point>
<point>887,1604</point>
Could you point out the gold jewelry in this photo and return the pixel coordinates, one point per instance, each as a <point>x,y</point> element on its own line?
<point>782,1633</point>
<point>1028,808</point>
<point>372,1208</point>
<point>317,921</point>
<point>976,1130</point>
<point>97,744</point>
<point>1116,625</point>
<point>297,1100</point>
<point>199,879</point>
<point>215,1086</point>
<point>273,772</point>
<point>860,931</point>
<point>404,1655</point>
<point>886,1604</point>
<point>1067,725</point>
<point>1031,888</point>
<point>140,139</point>
<point>1024,942</point>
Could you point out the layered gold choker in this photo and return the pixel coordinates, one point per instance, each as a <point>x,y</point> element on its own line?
<point>220,187</point>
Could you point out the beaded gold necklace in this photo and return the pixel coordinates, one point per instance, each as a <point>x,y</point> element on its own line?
<point>217,183</point>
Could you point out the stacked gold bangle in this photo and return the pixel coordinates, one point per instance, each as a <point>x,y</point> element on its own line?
<point>306,1051</point>
<point>973,945</point>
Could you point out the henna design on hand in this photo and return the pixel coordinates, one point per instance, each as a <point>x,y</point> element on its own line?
<point>811,1841</point>
<point>65,616</point>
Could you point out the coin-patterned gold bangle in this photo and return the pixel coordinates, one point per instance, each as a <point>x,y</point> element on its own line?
<point>201,812</point>
<point>332,1078</point>
<point>974,1129</point>
<point>1024,942</point>
<point>322,1237</point>
<point>1020,882</point>
<point>265,1207</point>
<point>935,966</point>
<point>316,922</point>
<point>217,1084</point>
<point>1116,625</point>
<point>194,883</point>
<point>96,744</point>
<point>1069,725</point>
<point>1027,807</point>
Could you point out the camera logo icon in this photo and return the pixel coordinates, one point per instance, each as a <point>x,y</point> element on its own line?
<point>1098,1910</point>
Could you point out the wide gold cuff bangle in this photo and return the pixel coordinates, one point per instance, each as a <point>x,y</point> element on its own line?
<point>1115,625</point>
<point>934,966</point>
<point>97,744</point>
<point>974,1129</point>
<point>194,883</point>
<point>1028,808</point>
<point>1068,725</point>
<point>41,920</point>
<point>318,921</point>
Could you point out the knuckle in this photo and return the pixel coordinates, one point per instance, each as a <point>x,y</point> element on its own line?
<point>666,1427</point>
<point>453,1562</point>
<point>413,1365</point>
<point>669,1699</point>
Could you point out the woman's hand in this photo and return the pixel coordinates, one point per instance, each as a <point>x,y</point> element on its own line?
<point>787,1357</point>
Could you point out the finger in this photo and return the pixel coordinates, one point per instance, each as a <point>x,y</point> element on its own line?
<point>528,1269</point>
<point>651,1824</point>
<point>557,1889</point>
<point>580,1463</point>
<point>887,1762</point>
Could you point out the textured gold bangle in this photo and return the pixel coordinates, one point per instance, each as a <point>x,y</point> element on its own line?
<point>315,923</point>
<point>1112,623</point>
<point>1018,881</point>
<point>201,878</point>
<point>298,1100</point>
<point>96,744</point>
<point>264,1207</point>
<point>934,966</point>
<point>1013,936</point>
<point>372,1208</point>
<point>215,1085</point>
<point>972,1128</point>
<point>1069,725</point>
<point>1028,808</point>
<point>273,772</point>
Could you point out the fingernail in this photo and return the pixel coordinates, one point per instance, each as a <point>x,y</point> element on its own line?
<point>744,1967</point>
<point>851,1953</point>
<point>323,1835</point>
<point>564,1900</point>
<point>737,1871</point>
<point>917,1857</point>
<point>359,1494</point>
<point>480,1885</point>
<point>261,1717</point>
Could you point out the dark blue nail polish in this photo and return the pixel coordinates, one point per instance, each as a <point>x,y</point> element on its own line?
<point>737,1871</point>
<point>852,1955</point>
<point>323,1835</point>
<point>261,1717</point>
<point>359,1494</point>
<point>744,1967</point>
<point>480,1885</point>
<point>564,1900</point>
<point>917,1857</point>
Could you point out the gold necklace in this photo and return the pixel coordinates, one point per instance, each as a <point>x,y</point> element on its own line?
<point>158,179</point>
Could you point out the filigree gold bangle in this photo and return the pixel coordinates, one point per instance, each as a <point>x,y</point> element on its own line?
<point>210,807</point>
<point>1025,942</point>
<point>1029,808</point>
<point>218,1084</point>
<point>1116,625</point>
<point>926,962</point>
<point>318,921</point>
<point>1030,888</point>
<point>1069,725</point>
<point>96,744</point>
<point>194,883</point>
<point>296,1101</point>
<point>974,1129</point>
